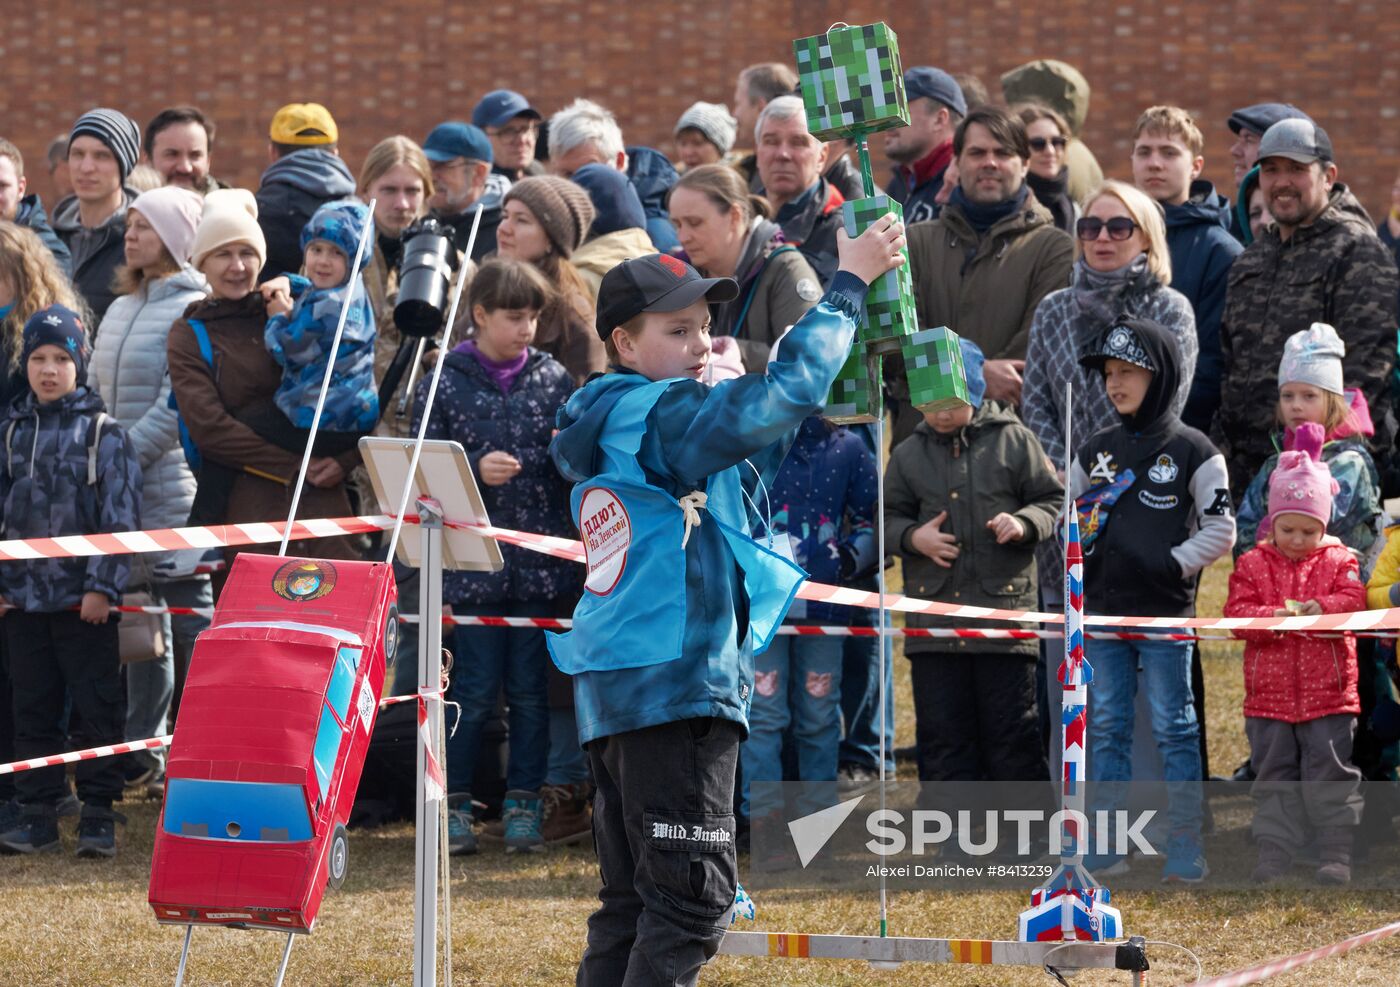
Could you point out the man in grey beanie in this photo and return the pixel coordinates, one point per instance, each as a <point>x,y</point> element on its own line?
<point>103,147</point>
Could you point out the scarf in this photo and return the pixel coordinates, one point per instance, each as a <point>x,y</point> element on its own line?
<point>983,217</point>
<point>1053,194</point>
<point>501,372</point>
<point>1102,296</point>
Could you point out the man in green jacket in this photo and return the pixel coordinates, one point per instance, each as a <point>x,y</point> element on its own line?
<point>983,266</point>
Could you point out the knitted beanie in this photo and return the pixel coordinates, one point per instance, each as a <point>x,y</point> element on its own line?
<point>1300,484</point>
<point>714,121</point>
<point>560,206</point>
<point>230,216</point>
<point>1313,356</point>
<point>174,214</point>
<point>115,129</point>
<point>340,224</point>
<point>61,327</point>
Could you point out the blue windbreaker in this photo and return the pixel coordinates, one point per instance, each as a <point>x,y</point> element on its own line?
<point>692,432</point>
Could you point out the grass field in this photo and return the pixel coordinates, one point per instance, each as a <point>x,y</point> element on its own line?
<point>521,921</point>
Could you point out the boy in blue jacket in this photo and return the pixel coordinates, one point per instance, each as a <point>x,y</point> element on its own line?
<point>66,469</point>
<point>678,598</point>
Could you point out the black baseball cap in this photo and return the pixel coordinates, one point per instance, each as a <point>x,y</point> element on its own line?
<point>655,283</point>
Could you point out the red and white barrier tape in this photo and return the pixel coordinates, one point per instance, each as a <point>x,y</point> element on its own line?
<point>810,630</point>
<point>150,744</point>
<point>91,754</point>
<point>165,539</point>
<point>1273,968</point>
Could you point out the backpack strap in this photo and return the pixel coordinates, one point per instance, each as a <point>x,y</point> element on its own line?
<point>201,336</point>
<point>9,453</point>
<point>94,439</point>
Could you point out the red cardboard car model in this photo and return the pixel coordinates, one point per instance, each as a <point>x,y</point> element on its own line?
<point>275,719</point>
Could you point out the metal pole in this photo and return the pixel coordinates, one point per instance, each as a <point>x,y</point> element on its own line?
<point>184,956</point>
<point>874,366</point>
<point>425,879</point>
<point>286,957</point>
<point>326,380</point>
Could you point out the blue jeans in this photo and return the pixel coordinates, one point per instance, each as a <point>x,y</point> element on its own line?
<point>150,685</point>
<point>568,765</point>
<point>488,659</point>
<point>860,702</point>
<point>1166,677</point>
<point>797,681</point>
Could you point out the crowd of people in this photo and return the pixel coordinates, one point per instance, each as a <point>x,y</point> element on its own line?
<point>1232,374</point>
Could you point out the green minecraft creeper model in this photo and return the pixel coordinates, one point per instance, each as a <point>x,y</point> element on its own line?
<point>852,86</point>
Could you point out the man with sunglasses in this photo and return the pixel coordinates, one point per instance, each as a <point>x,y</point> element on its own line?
<point>1321,261</point>
<point>1167,161</point>
<point>983,266</point>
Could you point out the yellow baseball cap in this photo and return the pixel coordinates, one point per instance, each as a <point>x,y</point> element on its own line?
<point>307,124</point>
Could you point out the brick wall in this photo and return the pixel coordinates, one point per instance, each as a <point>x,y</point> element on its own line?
<point>404,65</point>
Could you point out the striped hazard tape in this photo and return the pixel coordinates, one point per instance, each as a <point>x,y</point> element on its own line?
<point>165,539</point>
<point>149,744</point>
<point>1273,968</point>
<point>813,630</point>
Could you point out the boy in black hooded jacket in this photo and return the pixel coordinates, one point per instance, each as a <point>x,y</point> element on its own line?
<point>1155,510</point>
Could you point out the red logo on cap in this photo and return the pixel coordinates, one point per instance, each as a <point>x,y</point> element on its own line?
<point>673,264</point>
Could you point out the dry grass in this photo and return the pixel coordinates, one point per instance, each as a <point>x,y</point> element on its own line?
<point>521,921</point>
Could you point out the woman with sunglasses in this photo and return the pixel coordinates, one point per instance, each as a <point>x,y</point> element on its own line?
<point>1121,267</point>
<point>1048,175</point>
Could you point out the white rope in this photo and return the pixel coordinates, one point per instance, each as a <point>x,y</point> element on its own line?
<point>691,505</point>
<point>326,379</point>
<point>443,347</point>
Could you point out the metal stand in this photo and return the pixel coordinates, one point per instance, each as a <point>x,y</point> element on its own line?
<point>184,956</point>
<point>286,958</point>
<point>425,880</point>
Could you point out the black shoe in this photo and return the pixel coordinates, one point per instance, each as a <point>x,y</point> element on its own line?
<point>10,815</point>
<point>69,806</point>
<point>37,832</point>
<point>97,832</point>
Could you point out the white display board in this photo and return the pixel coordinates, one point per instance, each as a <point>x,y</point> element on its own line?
<point>443,474</point>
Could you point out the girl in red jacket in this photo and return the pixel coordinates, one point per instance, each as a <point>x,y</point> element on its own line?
<point>1300,699</point>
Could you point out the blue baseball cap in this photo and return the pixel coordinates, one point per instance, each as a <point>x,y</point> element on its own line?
<point>455,139</point>
<point>937,85</point>
<point>500,106</point>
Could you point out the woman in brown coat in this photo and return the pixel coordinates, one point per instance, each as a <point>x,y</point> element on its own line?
<point>229,250</point>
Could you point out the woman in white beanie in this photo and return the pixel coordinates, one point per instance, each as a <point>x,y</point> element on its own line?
<point>237,375</point>
<point>155,286</point>
<point>704,135</point>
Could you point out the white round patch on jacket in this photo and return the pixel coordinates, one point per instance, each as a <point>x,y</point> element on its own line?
<point>808,290</point>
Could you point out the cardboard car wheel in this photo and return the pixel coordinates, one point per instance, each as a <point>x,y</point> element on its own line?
<point>340,858</point>
<point>391,635</point>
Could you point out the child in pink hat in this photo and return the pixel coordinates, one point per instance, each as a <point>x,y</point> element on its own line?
<point>1300,695</point>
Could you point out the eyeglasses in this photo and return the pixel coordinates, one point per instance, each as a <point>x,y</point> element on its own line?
<point>1039,144</point>
<point>513,133</point>
<point>1119,228</point>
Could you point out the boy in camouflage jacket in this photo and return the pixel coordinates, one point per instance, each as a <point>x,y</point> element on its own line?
<point>67,469</point>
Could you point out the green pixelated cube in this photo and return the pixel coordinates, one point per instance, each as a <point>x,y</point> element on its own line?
<point>854,398</point>
<point>852,81</point>
<point>889,305</point>
<point>933,365</point>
